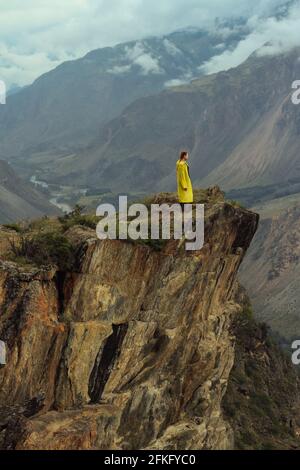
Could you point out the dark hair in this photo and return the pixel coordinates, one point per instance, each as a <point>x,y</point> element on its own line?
<point>183,154</point>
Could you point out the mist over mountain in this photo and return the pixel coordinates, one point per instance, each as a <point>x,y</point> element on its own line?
<point>38,36</point>
<point>65,108</point>
<point>116,108</point>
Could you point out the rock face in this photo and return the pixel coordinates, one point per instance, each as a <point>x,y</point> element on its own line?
<point>271,269</point>
<point>132,350</point>
<point>262,399</point>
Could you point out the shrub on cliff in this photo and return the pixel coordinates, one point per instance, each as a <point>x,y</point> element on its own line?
<point>45,249</point>
<point>76,217</point>
<point>16,227</point>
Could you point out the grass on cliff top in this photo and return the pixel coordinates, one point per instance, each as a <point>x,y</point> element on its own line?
<point>209,196</point>
<point>45,241</point>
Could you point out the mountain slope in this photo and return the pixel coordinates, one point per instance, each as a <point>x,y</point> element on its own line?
<point>268,154</point>
<point>262,398</point>
<point>240,127</point>
<point>271,270</point>
<point>64,109</point>
<point>20,200</point>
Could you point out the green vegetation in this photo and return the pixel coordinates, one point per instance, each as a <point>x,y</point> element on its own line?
<point>44,249</point>
<point>156,245</point>
<point>235,203</point>
<point>44,241</point>
<point>76,217</point>
<point>15,227</point>
<point>262,389</point>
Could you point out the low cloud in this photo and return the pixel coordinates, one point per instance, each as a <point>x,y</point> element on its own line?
<point>186,78</point>
<point>171,48</point>
<point>120,69</point>
<point>268,36</point>
<point>148,64</point>
<point>37,35</point>
<point>138,55</point>
<point>175,82</point>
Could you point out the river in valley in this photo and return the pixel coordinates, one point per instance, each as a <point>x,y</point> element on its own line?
<point>55,195</point>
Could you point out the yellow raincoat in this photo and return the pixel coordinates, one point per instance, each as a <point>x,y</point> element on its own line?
<point>184,182</point>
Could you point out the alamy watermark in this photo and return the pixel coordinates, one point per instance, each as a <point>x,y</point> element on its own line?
<point>2,92</point>
<point>296,353</point>
<point>159,222</point>
<point>296,94</point>
<point>296,344</point>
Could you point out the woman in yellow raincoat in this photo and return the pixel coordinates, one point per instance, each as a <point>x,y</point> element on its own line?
<point>184,184</point>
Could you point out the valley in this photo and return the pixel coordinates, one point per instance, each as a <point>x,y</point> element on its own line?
<point>19,199</point>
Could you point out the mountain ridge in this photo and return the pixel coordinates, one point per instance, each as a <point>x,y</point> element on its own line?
<point>64,108</point>
<point>217,117</point>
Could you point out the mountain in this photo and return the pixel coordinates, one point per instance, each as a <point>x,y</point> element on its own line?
<point>271,270</point>
<point>19,200</point>
<point>109,120</point>
<point>262,398</point>
<point>240,126</point>
<point>65,108</point>
<point>13,89</point>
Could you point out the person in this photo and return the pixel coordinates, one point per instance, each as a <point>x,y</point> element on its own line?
<point>184,184</point>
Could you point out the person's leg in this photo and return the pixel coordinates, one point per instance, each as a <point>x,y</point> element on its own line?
<point>183,204</point>
<point>182,209</point>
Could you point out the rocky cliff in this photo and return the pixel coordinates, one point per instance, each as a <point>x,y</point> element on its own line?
<point>262,398</point>
<point>132,349</point>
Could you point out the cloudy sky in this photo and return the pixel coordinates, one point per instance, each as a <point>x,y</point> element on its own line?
<point>37,35</point>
